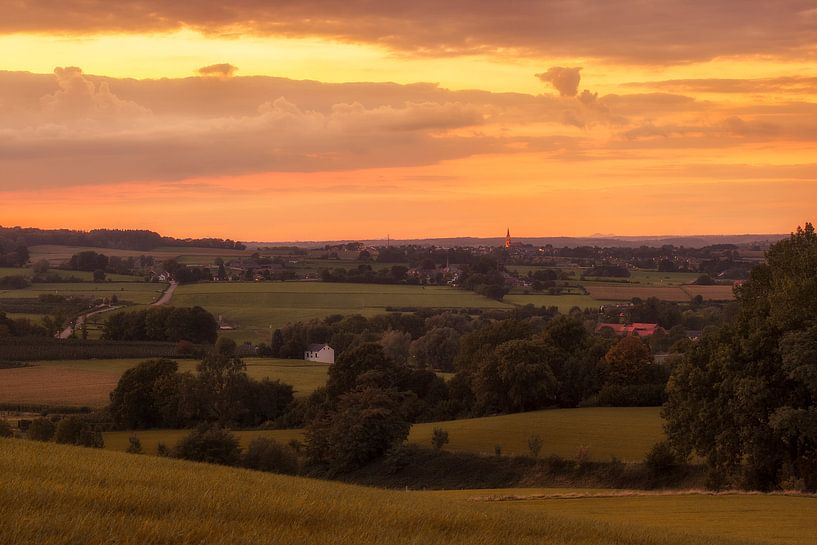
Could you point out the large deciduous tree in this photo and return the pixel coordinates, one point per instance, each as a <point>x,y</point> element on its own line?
<point>744,397</point>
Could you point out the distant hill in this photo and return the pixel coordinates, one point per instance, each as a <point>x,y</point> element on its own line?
<point>606,241</point>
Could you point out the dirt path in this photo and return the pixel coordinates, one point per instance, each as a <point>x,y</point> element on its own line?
<point>166,296</point>
<point>69,330</point>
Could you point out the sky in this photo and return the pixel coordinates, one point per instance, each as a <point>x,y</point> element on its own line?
<point>327,120</point>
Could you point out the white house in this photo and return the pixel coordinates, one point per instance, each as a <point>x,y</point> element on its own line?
<point>320,352</point>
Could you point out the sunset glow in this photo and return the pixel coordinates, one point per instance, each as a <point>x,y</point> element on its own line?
<point>315,121</point>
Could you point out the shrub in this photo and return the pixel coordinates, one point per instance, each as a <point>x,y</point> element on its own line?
<point>68,430</point>
<point>661,458</point>
<point>90,438</point>
<point>583,456</point>
<point>265,454</point>
<point>5,429</point>
<point>135,446</point>
<point>163,451</point>
<point>212,445</point>
<point>535,444</point>
<point>367,423</point>
<point>41,429</point>
<point>439,438</point>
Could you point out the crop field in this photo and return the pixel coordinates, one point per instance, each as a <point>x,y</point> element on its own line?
<point>89,382</point>
<point>85,276</point>
<point>625,432</point>
<point>137,292</point>
<point>564,302</point>
<point>58,254</point>
<point>59,494</point>
<point>711,293</point>
<point>653,278</point>
<point>625,292</point>
<point>747,518</point>
<point>255,308</point>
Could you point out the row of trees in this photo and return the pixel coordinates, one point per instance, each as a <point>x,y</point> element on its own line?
<point>155,394</point>
<point>162,323</point>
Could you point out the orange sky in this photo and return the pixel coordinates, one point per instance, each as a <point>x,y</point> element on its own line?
<point>318,120</point>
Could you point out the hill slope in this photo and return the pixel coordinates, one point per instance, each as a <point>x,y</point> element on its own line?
<point>52,495</point>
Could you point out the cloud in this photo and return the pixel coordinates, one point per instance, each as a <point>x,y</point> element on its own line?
<point>72,128</point>
<point>564,80</point>
<point>223,70</point>
<point>629,30</point>
<point>78,97</point>
<point>787,84</point>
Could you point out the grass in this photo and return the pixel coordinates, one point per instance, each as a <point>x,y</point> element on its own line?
<point>256,308</point>
<point>627,433</point>
<point>136,292</point>
<point>564,302</point>
<point>748,518</point>
<point>58,254</point>
<point>89,382</point>
<point>54,494</point>
<point>85,276</point>
<point>625,292</point>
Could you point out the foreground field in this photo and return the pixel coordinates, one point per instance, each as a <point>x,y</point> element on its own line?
<point>255,308</point>
<point>748,518</point>
<point>625,432</point>
<point>89,382</point>
<point>65,495</point>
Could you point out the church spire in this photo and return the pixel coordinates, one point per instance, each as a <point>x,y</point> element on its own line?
<point>508,238</point>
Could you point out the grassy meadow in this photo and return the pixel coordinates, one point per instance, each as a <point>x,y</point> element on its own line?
<point>254,309</point>
<point>89,382</point>
<point>199,256</point>
<point>625,432</point>
<point>54,494</point>
<point>136,292</point>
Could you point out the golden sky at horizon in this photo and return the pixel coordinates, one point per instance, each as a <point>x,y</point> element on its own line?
<point>318,120</point>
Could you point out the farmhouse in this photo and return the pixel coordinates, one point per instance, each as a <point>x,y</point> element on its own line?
<point>635,329</point>
<point>320,352</point>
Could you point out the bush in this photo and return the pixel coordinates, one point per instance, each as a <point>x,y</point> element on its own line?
<point>68,430</point>
<point>265,454</point>
<point>439,438</point>
<point>5,429</point>
<point>632,395</point>
<point>134,446</point>
<point>163,451</point>
<point>535,444</point>
<point>212,445</point>
<point>41,429</point>
<point>661,458</point>
<point>367,423</point>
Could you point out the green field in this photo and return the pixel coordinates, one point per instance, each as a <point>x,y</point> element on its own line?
<point>564,302</point>
<point>89,382</point>
<point>625,432</point>
<point>85,276</point>
<point>58,254</point>
<point>136,292</point>
<point>256,308</point>
<point>55,494</point>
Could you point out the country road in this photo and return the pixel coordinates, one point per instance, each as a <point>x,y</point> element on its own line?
<point>166,296</point>
<point>69,330</point>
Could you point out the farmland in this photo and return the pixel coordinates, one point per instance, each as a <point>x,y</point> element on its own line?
<point>89,382</point>
<point>255,308</point>
<point>627,433</point>
<point>564,302</point>
<point>57,254</point>
<point>748,518</point>
<point>67,495</point>
<point>136,292</point>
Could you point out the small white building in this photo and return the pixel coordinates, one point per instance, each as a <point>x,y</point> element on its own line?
<point>320,352</point>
